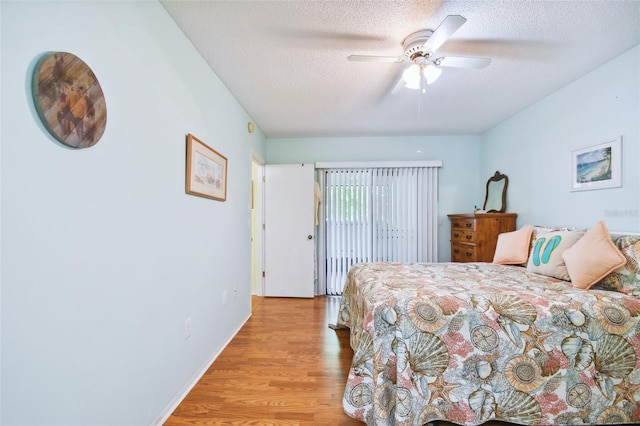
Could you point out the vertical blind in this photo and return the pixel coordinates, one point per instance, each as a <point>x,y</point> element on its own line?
<point>374,215</point>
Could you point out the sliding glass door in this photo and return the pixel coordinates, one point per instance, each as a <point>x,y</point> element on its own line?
<point>376,214</point>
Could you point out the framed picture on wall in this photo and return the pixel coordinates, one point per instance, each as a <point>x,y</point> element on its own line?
<point>206,170</point>
<point>598,166</point>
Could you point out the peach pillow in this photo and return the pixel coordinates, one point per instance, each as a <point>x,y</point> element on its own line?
<point>512,248</point>
<point>592,258</point>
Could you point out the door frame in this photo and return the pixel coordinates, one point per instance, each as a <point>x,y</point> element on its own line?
<point>257,226</point>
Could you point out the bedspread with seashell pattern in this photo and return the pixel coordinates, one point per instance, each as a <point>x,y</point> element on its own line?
<point>471,342</point>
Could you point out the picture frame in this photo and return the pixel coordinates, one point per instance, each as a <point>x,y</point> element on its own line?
<point>206,170</point>
<point>598,166</point>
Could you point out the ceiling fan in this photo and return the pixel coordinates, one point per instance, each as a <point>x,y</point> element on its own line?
<point>420,49</point>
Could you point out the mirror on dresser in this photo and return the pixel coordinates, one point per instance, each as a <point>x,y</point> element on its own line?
<point>495,200</point>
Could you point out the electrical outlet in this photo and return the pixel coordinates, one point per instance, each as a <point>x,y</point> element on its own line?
<point>187,328</point>
<point>224,297</point>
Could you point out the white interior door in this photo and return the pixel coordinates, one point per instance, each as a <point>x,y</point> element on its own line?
<point>289,230</point>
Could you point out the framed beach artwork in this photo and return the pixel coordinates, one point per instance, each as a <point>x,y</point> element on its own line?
<point>597,167</point>
<point>206,170</point>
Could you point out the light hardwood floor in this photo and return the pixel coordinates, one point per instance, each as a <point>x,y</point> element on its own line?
<point>284,367</point>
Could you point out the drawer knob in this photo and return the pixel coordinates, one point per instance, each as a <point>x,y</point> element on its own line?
<point>468,225</point>
<point>469,254</point>
<point>456,251</point>
<point>456,235</point>
<point>468,237</point>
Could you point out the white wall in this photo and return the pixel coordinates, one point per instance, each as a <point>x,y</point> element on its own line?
<point>458,178</point>
<point>103,255</point>
<point>534,149</point>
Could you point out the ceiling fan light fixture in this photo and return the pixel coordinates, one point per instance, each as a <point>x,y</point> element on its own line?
<point>413,85</point>
<point>411,77</point>
<point>431,73</point>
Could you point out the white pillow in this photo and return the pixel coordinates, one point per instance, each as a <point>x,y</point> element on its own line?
<point>546,256</point>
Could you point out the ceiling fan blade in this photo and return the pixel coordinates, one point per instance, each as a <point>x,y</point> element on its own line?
<point>449,25</point>
<point>463,62</point>
<point>367,58</point>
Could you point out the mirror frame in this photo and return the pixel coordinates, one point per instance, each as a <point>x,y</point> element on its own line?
<point>497,177</point>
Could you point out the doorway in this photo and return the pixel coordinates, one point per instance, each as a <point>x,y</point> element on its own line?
<point>257,220</point>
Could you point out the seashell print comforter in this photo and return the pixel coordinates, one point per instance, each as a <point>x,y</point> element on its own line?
<point>471,342</point>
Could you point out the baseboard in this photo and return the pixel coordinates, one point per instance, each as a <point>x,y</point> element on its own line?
<point>166,413</point>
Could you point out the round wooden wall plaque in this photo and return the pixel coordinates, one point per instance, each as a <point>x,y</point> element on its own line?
<point>69,100</point>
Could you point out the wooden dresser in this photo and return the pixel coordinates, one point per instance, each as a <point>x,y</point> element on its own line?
<point>474,235</point>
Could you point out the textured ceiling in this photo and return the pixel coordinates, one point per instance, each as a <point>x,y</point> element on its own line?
<point>286,61</point>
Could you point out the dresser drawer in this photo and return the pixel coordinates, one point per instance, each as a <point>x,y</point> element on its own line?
<point>462,223</point>
<point>474,235</point>
<point>462,236</point>
<point>463,253</point>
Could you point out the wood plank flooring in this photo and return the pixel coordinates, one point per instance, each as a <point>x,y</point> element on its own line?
<point>284,367</point>
<point>277,371</point>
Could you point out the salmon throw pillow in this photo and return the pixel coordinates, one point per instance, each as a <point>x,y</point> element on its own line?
<point>592,258</point>
<point>512,248</point>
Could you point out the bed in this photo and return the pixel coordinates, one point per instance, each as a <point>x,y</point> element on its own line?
<point>471,342</point>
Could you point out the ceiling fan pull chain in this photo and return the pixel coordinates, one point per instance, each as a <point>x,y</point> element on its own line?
<point>420,92</point>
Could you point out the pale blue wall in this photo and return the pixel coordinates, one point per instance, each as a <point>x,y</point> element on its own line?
<point>103,255</point>
<point>534,149</point>
<point>458,178</point>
